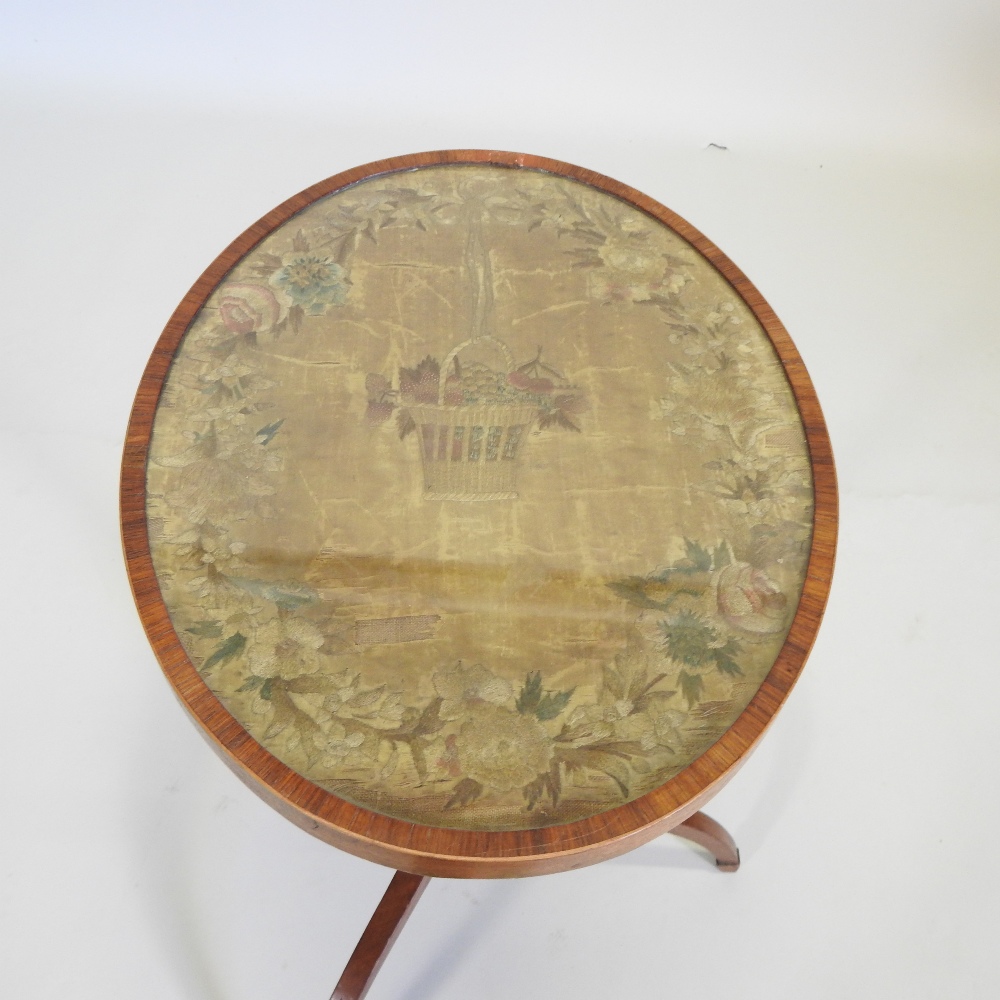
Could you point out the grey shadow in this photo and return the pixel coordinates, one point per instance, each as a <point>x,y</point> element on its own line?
<point>159,853</point>
<point>787,772</point>
<point>443,961</point>
<point>668,852</point>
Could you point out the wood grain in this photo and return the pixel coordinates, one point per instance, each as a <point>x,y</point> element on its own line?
<point>714,837</point>
<point>387,921</point>
<point>456,853</point>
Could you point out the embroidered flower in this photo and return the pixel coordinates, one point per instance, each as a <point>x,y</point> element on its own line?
<point>760,487</point>
<point>749,600</point>
<point>340,748</point>
<point>219,490</point>
<point>502,749</point>
<point>285,647</point>
<point>311,282</point>
<point>634,272</point>
<point>689,638</point>
<point>652,731</point>
<point>462,686</point>
<point>248,309</point>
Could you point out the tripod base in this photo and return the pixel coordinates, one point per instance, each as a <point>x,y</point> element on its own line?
<point>380,935</point>
<point>404,890</point>
<point>714,837</point>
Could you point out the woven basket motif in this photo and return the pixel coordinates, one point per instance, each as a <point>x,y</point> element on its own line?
<point>471,452</point>
<point>471,422</point>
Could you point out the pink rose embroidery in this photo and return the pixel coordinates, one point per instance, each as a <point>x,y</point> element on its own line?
<point>246,309</point>
<point>749,600</point>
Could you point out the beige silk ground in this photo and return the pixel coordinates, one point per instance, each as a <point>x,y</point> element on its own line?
<point>520,623</point>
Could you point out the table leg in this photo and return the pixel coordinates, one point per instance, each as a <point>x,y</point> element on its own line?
<point>714,837</point>
<point>380,934</point>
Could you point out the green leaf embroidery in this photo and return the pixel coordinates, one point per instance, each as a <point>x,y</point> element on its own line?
<point>611,758</point>
<point>230,648</point>
<point>552,703</point>
<point>699,560</point>
<point>534,700</point>
<point>251,683</point>
<point>618,773</point>
<point>640,685</point>
<point>633,590</point>
<point>315,684</point>
<point>311,736</point>
<point>692,687</point>
<point>419,758</point>
<point>531,694</point>
<point>429,721</point>
<point>289,596</point>
<point>689,638</point>
<point>282,711</point>
<point>723,658</point>
<point>614,684</point>
<point>548,783</point>
<point>266,434</point>
<point>722,555</point>
<point>646,696</point>
<point>652,698</point>
<point>207,629</point>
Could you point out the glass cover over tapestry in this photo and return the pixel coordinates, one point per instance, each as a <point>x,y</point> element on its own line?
<point>479,498</point>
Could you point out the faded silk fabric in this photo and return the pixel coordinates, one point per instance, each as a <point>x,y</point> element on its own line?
<point>499,587</point>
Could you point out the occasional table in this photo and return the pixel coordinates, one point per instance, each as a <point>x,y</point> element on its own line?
<point>482,514</point>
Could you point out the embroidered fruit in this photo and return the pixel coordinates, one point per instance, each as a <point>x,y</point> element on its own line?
<point>453,394</point>
<point>535,385</point>
<point>380,399</point>
<point>420,384</point>
<point>528,383</point>
<point>379,412</point>
<point>536,376</point>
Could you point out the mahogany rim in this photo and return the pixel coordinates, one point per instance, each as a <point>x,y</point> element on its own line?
<point>443,851</point>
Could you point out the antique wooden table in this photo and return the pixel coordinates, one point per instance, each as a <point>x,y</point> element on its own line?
<point>482,515</point>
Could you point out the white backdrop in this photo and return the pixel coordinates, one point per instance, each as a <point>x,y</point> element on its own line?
<point>858,189</point>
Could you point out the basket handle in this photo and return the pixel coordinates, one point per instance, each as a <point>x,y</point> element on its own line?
<point>446,367</point>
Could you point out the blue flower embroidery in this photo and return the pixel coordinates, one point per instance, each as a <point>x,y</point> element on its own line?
<point>313,283</point>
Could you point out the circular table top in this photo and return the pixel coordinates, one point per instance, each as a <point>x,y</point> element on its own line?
<point>480,511</point>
